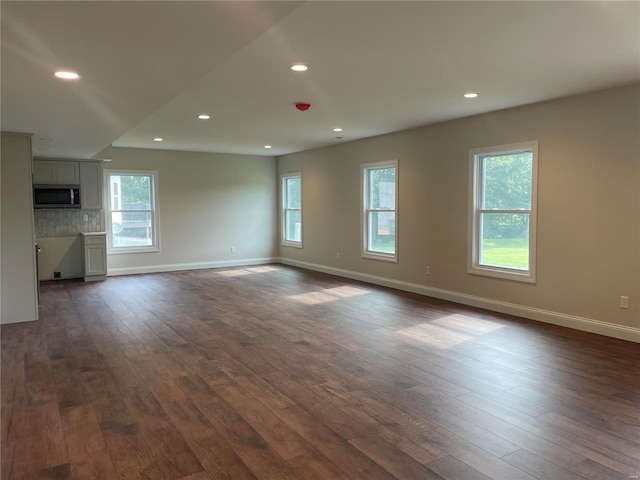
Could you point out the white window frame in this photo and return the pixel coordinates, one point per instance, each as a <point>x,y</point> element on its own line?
<point>475,210</point>
<point>365,168</point>
<point>284,209</point>
<point>155,212</point>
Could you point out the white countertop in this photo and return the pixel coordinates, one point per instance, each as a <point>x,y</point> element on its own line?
<point>90,234</point>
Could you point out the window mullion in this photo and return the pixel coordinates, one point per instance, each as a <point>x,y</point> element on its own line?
<point>504,211</point>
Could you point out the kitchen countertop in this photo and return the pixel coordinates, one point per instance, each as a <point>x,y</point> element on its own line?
<point>90,234</point>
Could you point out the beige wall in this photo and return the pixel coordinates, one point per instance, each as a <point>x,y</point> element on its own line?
<point>60,254</point>
<point>588,205</point>
<point>18,285</point>
<point>207,204</point>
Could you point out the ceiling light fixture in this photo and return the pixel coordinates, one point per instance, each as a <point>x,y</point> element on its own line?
<point>204,117</point>
<point>299,67</point>
<point>337,129</point>
<point>267,146</point>
<point>471,95</point>
<point>67,75</point>
<point>157,139</point>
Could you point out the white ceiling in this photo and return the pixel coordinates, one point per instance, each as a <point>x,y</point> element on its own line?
<point>149,68</point>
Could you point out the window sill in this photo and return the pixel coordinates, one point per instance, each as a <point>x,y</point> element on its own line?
<point>292,244</point>
<point>505,274</point>
<point>380,256</point>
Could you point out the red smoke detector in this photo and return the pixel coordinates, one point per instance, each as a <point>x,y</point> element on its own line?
<point>303,106</point>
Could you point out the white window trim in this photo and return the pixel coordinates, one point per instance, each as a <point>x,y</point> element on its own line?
<point>473,263</point>
<point>156,212</point>
<point>283,211</point>
<point>364,217</point>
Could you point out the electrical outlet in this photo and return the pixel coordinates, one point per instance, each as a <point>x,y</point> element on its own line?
<point>427,270</point>
<point>233,249</point>
<point>85,218</point>
<point>338,256</point>
<point>624,302</point>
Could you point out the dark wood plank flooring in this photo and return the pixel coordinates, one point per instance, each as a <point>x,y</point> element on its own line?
<point>272,372</point>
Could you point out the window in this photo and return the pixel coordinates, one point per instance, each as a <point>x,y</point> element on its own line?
<point>132,211</point>
<point>379,212</point>
<point>292,210</point>
<point>502,211</point>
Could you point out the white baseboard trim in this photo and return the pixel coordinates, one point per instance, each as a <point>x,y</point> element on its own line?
<point>190,266</point>
<point>571,321</point>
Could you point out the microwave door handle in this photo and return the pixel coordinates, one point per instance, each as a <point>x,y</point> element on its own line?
<point>71,192</point>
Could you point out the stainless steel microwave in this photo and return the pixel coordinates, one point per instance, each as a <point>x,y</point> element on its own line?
<point>56,196</point>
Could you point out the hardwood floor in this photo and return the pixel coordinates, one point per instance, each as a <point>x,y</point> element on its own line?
<point>273,372</point>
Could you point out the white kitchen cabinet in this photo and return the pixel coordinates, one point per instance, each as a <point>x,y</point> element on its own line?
<point>56,172</point>
<point>67,173</point>
<point>91,185</point>
<point>44,173</point>
<point>94,258</point>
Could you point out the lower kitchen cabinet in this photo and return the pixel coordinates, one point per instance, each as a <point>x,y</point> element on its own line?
<point>94,258</point>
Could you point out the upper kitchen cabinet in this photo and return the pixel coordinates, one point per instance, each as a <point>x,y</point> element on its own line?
<point>55,172</point>
<point>86,173</point>
<point>91,185</point>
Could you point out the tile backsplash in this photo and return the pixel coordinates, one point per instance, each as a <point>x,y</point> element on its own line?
<point>62,222</point>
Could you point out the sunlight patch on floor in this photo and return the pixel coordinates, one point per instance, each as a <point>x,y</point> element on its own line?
<point>345,292</point>
<point>328,295</point>
<point>447,331</point>
<point>234,273</point>
<point>468,324</point>
<point>263,269</point>
<point>247,271</point>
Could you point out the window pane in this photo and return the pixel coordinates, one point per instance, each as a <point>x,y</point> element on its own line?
<point>293,222</point>
<point>128,231</point>
<point>507,181</point>
<point>136,192</point>
<point>382,232</point>
<point>504,240</point>
<point>293,192</point>
<point>382,188</point>
<point>132,216</point>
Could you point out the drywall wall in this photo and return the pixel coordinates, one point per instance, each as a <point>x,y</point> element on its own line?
<point>207,203</point>
<point>60,254</point>
<point>588,209</point>
<point>18,287</point>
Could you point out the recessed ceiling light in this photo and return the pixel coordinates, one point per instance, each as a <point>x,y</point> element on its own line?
<point>299,67</point>
<point>337,129</point>
<point>67,75</point>
<point>267,146</point>
<point>204,117</point>
<point>157,139</point>
<point>471,95</point>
